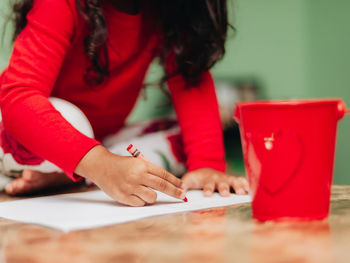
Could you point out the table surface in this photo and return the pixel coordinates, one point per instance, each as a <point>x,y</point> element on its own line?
<point>216,235</point>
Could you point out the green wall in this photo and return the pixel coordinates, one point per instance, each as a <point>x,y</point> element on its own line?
<point>328,58</point>
<point>269,45</point>
<point>294,48</point>
<point>5,34</point>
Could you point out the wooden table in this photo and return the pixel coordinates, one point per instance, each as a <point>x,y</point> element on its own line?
<point>217,235</point>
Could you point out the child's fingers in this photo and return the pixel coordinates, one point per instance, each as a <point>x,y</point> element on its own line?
<point>134,200</point>
<point>190,181</point>
<point>163,186</point>
<point>224,189</point>
<point>33,181</point>
<point>11,188</point>
<point>237,185</point>
<point>49,179</point>
<point>20,186</point>
<point>164,174</point>
<point>245,183</point>
<point>30,175</point>
<point>146,194</point>
<point>209,189</point>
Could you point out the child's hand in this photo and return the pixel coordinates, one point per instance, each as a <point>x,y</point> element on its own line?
<point>210,180</point>
<point>127,179</point>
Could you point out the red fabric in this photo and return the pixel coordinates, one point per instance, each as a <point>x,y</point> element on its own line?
<point>19,153</point>
<point>177,147</point>
<point>198,115</point>
<point>48,60</point>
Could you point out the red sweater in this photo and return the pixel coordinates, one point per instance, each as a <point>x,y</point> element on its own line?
<point>48,59</point>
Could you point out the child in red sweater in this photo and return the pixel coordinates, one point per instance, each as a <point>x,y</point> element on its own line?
<point>95,54</point>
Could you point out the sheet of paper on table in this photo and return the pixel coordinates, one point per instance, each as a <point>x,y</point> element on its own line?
<point>76,211</point>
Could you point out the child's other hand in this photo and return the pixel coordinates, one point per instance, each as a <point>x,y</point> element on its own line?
<point>126,179</point>
<point>210,180</point>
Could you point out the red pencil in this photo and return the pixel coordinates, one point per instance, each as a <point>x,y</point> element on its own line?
<point>137,154</point>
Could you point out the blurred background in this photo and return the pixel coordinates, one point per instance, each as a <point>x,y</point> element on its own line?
<point>287,49</point>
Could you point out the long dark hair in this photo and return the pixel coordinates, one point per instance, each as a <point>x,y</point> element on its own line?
<point>194,31</point>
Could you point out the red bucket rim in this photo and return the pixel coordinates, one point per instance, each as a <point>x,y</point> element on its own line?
<point>291,102</point>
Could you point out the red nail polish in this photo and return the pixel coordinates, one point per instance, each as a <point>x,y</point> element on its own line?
<point>185,200</point>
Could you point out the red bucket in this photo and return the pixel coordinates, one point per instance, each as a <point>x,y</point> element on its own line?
<point>288,149</point>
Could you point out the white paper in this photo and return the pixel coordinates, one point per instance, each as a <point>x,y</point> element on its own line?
<point>70,212</point>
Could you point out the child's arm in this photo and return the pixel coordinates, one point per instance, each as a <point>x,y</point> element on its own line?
<point>198,115</point>
<point>28,116</point>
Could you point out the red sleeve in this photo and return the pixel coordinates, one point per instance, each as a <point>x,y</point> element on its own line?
<point>28,116</point>
<point>198,115</point>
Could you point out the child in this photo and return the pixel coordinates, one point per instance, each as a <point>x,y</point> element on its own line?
<point>95,54</point>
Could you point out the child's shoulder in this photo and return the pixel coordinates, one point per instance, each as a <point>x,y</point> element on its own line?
<point>60,17</point>
<point>55,7</point>
<point>60,11</point>
<point>55,3</point>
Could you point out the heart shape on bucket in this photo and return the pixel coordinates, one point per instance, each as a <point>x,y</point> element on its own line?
<point>279,156</point>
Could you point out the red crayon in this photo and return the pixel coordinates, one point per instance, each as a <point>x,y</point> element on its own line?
<point>137,154</point>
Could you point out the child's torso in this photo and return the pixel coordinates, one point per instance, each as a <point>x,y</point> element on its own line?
<point>130,51</point>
